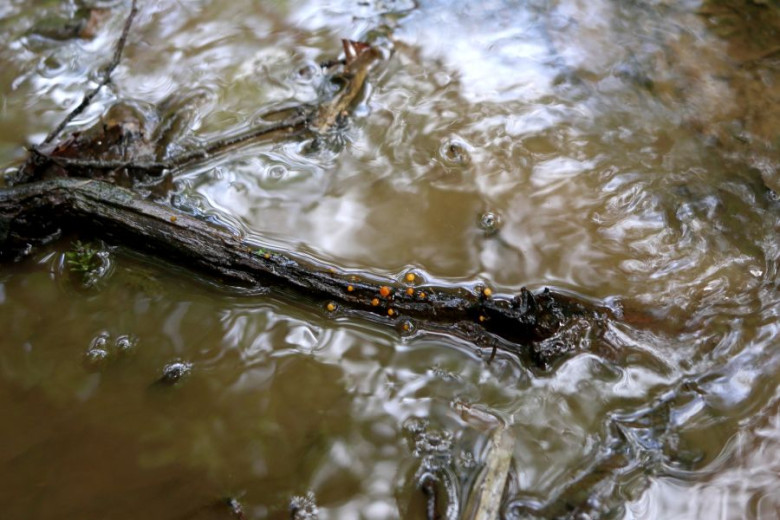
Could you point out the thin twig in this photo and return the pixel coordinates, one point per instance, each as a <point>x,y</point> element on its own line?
<point>290,126</point>
<point>305,118</point>
<point>120,45</point>
<point>489,488</point>
<point>102,164</point>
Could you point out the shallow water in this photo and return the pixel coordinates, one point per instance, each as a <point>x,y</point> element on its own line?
<point>628,149</point>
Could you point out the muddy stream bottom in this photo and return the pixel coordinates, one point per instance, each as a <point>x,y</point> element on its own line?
<point>622,152</point>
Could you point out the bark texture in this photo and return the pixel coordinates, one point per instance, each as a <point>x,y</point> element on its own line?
<point>541,326</point>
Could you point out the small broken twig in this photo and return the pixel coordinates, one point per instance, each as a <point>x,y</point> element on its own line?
<point>484,501</point>
<point>359,58</point>
<point>291,126</point>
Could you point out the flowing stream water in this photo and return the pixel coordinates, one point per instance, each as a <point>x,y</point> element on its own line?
<point>625,152</point>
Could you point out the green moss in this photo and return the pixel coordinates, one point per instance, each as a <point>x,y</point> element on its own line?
<point>82,258</point>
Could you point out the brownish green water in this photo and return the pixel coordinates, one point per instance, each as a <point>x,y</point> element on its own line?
<point>629,150</point>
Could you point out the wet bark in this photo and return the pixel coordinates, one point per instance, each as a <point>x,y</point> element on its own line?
<point>530,325</point>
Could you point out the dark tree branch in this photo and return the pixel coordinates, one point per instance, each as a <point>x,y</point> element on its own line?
<point>534,326</point>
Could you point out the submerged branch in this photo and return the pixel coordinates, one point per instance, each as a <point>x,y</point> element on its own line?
<point>290,127</point>
<point>305,119</point>
<point>535,326</point>
<point>100,167</point>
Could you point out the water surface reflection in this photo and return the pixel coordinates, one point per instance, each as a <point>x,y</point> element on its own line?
<point>618,147</point>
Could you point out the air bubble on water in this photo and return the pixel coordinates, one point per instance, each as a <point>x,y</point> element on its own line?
<point>95,358</point>
<point>174,372</point>
<point>432,447</point>
<point>415,425</point>
<point>466,461</point>
<point>307,73</point>
<point>490,223</point>
<point>100,341</point>
<point>125,343</point>
<point>276,172</point>
<point>445,375</point>
<point>455,151</point>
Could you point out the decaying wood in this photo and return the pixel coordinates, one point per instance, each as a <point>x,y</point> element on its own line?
<point>525,324</point>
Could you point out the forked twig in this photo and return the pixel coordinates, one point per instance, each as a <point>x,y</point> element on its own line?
<point>305,118</point>
<point>89,96</point>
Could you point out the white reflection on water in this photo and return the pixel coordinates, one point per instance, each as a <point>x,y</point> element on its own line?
<point>741,483</point>
<point>505,62</point>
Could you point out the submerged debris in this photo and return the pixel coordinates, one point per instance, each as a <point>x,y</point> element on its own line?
<point>235,508</point>
<point>488,491</point>
<point>304,507</point>
<point>174,372</point>
<point>435,472</point>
